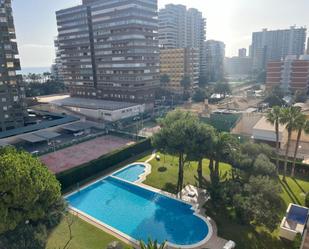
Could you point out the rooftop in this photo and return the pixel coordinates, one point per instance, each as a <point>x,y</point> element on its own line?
<point>61,119</point>
<point>263,124</point>
<point>86,103</point>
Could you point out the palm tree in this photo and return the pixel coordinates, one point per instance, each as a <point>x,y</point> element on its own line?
<point>300,125</point>
<point>290,117</point>
<point>224,148</point>
<point>273,117</point>
<point>152,245</point>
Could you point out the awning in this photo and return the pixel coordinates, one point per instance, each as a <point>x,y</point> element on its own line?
<point>79,126</point>
<point>32,138</point>
<point>39,136</point>
<point>47,134</point>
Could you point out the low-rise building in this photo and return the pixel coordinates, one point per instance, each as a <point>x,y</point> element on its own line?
<point>292,74</point>
<point>178,63</point>
<point>264,131</point>
<point>102,110</point>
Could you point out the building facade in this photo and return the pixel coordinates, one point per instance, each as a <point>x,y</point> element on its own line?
<point>291,75</point>
<point>12,105</point>
<point>179,63</point>
<point>56,68</point>
<point>238,66</point>
<point>215,54</point>
<point>172,23</point>
<point>275,45</point>
<point>242,52</point>
<point>109,49</point>
<point>180,27</point>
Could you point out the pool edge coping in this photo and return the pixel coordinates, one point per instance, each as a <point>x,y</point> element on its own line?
<point>142,177</point>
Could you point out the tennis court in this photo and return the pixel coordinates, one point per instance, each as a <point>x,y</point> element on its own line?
<point>76,155</point>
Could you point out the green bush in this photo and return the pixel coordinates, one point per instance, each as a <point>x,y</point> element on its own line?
<point>78,174</point>
<point>297,241</point>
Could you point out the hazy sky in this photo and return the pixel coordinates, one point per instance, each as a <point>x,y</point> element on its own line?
<point>231,21</point>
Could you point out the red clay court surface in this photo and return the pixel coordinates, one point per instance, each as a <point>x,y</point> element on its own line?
<point>82,153</point>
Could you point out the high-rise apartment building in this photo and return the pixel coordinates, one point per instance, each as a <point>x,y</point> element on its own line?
<point>56,68</point>
<point>308,46</point>
<point>290,74</point>
<point>109,49</point>
<point>178,63</point>
<point>180,27</point>
<point>214,54</point>
<point>276,45</point>
<point>172,23</point>
<point>12,105</point>
<point>242,52</point>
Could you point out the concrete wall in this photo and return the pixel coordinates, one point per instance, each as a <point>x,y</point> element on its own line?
<point>110,116</point>
<point>304,138</point>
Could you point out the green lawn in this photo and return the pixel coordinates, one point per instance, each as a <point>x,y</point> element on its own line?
<point>164,176</point>
<point>85,236</point>
<point>164,173</point>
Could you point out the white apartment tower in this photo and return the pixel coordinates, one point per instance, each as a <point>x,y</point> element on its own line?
<point>180,27</point>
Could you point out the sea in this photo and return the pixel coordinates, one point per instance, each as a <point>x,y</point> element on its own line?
<point>36,70</point>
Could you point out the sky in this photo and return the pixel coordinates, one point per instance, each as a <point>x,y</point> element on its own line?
<point>230,21</point>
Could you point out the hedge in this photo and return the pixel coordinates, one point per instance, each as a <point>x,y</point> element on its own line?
<point>301,169</point>
<point>78,174</point>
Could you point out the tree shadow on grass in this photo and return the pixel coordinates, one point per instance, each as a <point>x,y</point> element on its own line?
<point>162,169</point>
<point>170,187</point>
<point>290,192</point>
<point>300,187</point>
<point>206,182</point>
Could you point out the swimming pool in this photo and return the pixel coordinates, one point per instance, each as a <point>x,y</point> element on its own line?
<point>131,173</point>
<point>137,213</point>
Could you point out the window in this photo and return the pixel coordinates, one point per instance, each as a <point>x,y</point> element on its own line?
<point>10,64</point>
<point>11,73</point>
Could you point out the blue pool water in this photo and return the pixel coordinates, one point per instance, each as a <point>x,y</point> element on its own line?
<point>298,214</point>
<point>139,212</point>
<point>131,173</point>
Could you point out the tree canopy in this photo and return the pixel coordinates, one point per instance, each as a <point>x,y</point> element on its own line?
<point>259,201</point>
<point>28,190</point>
<point>175,138</point>
<point>222,88</point>
<point>199,95</point>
